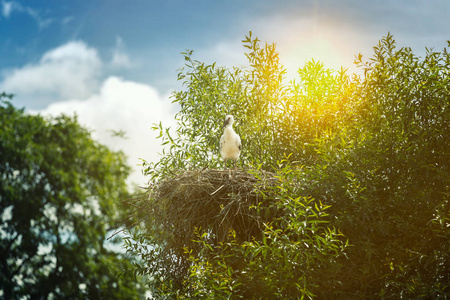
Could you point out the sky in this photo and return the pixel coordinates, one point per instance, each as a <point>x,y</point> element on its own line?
<point>115,63</point>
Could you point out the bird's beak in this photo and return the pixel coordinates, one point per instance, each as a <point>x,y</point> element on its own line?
<point>225,123</point>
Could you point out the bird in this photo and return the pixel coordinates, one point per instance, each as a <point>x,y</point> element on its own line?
<point>230,142</point>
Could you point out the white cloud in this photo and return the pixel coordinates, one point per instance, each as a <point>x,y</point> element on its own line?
<point>298,38</point>
<point>69,77</point>
<point>120,59</point>
<point>226,53</point>
<point>302,38</point>
<point>67,72</point>
<point>8,7</point>
<point>67,20</point>
<point>126,106</point>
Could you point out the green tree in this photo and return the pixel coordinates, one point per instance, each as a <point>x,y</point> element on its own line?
<point>360,207</point>
<point>387,176</point>
<point>257,98</point>
<point>59,196</point>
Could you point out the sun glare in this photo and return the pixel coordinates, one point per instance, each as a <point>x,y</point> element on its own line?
<point>319,48</point>
<point>307,41</point>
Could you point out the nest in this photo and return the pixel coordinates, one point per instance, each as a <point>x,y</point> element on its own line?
<point>218,202</point>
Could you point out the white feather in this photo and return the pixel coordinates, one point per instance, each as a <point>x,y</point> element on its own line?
<point>230,142</point>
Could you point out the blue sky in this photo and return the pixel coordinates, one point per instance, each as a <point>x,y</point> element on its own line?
<point>115,62</point>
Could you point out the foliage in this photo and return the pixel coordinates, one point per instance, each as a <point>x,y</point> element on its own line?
<point>387,176</point>
<point>250,95</point>
<point>284,262</point>
<point>59,197</point>
<point>362,207</point>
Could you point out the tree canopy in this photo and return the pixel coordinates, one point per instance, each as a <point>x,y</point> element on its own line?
<point>361,205</point>
<point>59,196</point>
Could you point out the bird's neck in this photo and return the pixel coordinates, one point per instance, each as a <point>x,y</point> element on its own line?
<point>229,130</point>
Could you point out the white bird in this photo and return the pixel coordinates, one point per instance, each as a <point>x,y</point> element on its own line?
<point>230,142</point>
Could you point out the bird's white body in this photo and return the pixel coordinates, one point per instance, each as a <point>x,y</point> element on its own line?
<point>230,142</point>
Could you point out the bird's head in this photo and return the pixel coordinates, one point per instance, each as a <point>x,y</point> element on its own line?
<point>228,121</point>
